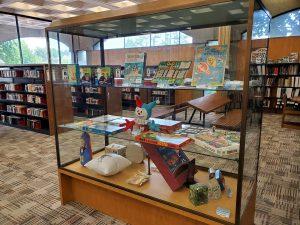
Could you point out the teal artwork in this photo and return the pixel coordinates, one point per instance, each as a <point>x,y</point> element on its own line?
<point>209,66</point>
<point>134,68</point>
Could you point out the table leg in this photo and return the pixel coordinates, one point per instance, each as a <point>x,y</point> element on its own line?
<point>192,116</point>
<point>203,119</point>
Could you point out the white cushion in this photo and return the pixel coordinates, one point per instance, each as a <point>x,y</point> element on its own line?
<point>108,164</point>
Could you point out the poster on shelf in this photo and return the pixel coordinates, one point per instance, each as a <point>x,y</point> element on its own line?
<point>209,66</point>
<point>104,75</point>
<point>73,73</point>
<point>172,72</point>
<point>259,55</point>
<point>134,68</point>
<point>85,74</point>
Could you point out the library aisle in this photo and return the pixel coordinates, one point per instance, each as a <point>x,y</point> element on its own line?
<point>31,193</point>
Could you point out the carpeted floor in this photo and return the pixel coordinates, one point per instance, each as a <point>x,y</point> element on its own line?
<point>29,187</point>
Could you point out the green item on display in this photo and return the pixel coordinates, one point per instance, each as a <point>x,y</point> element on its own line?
<point>198,194</point>
<point>214,190</point>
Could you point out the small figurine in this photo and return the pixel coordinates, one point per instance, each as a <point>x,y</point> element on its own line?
<point>220,179</point>
<point>214,190</point>
<point>143,112</point>
<point>228,192</point>
<point>86,153</point>
<point>198,194</point>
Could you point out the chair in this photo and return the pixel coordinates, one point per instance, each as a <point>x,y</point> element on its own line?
<point>289,110</point>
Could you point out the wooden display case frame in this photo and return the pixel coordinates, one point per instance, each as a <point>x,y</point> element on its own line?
<point>134,206</point>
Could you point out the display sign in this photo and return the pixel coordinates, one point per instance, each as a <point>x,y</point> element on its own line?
<point>209,66</point>
<point>104,75</point>
<point>73,73</point>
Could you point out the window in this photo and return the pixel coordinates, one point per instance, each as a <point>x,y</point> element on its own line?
<point>33,41</point>
<point>169,38</point>
<point>54,48</point>
<point>113,43</point>
<point>285,25</point>
<point>185,39</point>
<point>81,58</point>
<point>65,43</point>
<point>137,41</point>
<point>9,44</point>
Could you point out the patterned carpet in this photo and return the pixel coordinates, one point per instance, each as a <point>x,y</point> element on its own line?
<point>29,187</point>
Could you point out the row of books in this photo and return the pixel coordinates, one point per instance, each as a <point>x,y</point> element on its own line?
<point>275,70</point>
<point>159,92</point>
<point>290,92</point>
<point>88,112</point>
<point>22,109</point>
<point>22,73</point>
<point>24,98</point>
<point>283,82</point>
<point>21,121</point>
<point>93,101</point>
<point>35,88</point>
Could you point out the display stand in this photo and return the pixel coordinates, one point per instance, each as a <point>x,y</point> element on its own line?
<point>154,202</point>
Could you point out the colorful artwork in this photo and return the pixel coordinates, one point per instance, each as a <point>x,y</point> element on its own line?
<point>134,68</point>
<point>259,55</point>
<point>172,158</point>
<point>104,75</point>
<point>86,153</point>
<point>73,73</point>
<point>85,74</point>
<point>172,72</point>
<point>209,66</point>
<point>220,142</point>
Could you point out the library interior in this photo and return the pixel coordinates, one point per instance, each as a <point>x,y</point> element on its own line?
<point>150,112</point>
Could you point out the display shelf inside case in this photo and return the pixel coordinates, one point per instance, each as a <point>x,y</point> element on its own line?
<point>158,189</point>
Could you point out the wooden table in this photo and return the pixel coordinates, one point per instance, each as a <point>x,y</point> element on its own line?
<point>207,104</point>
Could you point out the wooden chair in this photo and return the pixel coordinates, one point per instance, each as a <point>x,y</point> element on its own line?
<point>230,121</point>
<point>288,110</point>
<point>170,111</point>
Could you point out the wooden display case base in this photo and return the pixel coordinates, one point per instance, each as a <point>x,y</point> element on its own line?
<point>153,203</point>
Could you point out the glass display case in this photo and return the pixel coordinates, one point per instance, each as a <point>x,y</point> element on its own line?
<point>212,124</point>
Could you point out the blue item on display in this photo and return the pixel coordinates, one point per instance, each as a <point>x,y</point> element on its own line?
<point>85,150</point>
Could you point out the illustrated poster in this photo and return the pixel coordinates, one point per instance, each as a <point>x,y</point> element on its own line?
<point>85,74</point>
<point>134,68</point>
<point>209,66</point>
<point>73,73</point>
<point>104,75</point>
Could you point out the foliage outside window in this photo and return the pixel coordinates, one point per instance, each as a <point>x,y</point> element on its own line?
<point>137,41</point>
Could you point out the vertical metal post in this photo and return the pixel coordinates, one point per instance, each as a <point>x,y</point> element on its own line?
<point>53,100</point>
<point>19,40</point>
<point>58,46</point>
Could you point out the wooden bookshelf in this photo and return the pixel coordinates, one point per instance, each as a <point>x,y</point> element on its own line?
<point>23,97</point>
<point>276,79</point>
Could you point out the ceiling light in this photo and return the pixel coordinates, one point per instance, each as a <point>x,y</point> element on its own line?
<point>107,25</point>
<point>22,5</point>
<point>123,4</point>
<point>33,14</point>
<point>161,17</point>
<point>98,9</point>
<point>245,4</point>
<point>179,23</point>
<point>61,7</point>
<point>141,21</point>
<point>65,15</point>
<point>158,26</point>
<point>236,11</point>
<point>201,10</point>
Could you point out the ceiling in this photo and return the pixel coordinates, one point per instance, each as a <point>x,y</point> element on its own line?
<point>60,9</point>
<point>277,7</point>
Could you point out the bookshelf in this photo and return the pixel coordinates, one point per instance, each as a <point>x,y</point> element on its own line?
<point>23,97</point>
<point>276,79</point>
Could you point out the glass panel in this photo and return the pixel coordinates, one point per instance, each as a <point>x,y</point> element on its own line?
<point>257,72</point>
<point>9,45</point>
<point>33,41</point>
<point>81,58</point>
<point>137,41</point>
